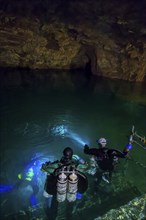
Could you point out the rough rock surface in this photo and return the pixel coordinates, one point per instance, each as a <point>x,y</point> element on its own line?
<point>135,209</point>
<point>108,37</point>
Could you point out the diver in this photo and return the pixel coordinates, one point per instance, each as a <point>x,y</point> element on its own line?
<point>104,160</point>
<point>29,177</point>
<point>65,179</point>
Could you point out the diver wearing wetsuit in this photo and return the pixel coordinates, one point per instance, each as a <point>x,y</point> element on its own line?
<point>105,158</point>
<point>67,165</point>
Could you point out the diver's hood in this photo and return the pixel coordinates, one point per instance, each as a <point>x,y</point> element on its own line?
<point>65,160</point>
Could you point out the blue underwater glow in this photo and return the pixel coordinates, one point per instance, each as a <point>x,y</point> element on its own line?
<point>36,163</point>
<point>128,146</point>
<point>5,188</point>
<point>79,196</point>
<point>33,200</point>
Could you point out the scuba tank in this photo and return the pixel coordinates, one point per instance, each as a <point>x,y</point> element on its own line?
<point>72,187</point>
<point>61,187</point>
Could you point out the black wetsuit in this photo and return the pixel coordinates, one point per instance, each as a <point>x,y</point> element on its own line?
<point>105,157</point>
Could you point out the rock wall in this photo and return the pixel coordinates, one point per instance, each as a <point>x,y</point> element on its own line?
<point>108,37</point>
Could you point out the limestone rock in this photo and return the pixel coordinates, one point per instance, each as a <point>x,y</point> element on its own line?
<point>71,34</point>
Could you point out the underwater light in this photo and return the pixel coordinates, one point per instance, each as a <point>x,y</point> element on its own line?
<point>79,195</point>
<point>5,188</point>
<point>59,130</point>
<point>77,138</point>
<point>62,130</point>
<point>33,201</point>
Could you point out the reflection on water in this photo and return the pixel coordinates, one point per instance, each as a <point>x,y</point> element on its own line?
<point>38,123</point>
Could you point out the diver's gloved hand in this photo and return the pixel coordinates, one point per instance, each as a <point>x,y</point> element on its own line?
<point>86,148</point>
<point>44,166</point>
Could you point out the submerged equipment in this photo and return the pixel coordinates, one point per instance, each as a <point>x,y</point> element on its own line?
<point>72,187</point>
<point>61,187</point>
<point>78,159</point>
<point>134,138</point>
<point>65,177</point>
<point>67,186</point>
<point>79,195</point>
<point>134,133</point>
<point>127,148</point>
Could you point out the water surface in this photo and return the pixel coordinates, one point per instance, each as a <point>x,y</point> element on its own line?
<point>38,122</point>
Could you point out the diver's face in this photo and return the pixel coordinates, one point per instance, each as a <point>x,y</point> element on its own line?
<point>68,156</point>
<point>102,145</point>
<point>66,159</point>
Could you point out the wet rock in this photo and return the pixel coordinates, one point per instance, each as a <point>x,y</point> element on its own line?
<point>69,35</point>
<point>135,209</point>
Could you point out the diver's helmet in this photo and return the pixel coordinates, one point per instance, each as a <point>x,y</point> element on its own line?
<point>102,142</point>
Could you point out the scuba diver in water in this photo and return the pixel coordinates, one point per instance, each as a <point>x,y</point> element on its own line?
<point>65,179</point>
<point>104,160</point>
<point>29,177</point>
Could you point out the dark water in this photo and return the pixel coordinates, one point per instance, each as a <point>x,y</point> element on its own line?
<point>37,123</point>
